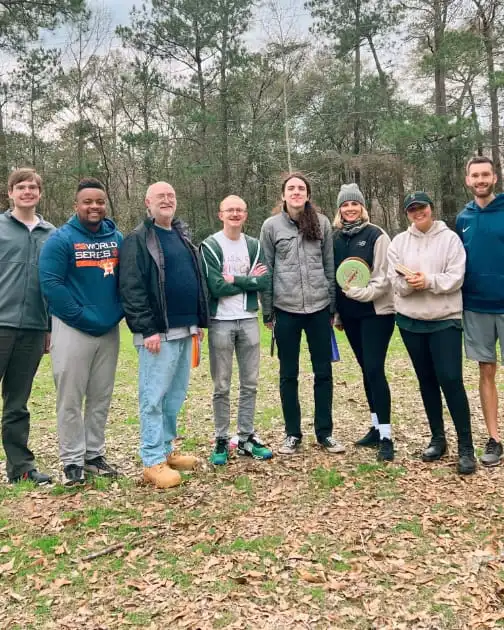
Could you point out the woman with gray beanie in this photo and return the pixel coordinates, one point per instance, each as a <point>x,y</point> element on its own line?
<point>366,314</point>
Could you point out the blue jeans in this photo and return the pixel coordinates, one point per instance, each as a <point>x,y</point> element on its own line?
<point>162,385</point>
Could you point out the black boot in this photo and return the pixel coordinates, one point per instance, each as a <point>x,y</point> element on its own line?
<point>370,440</point>
<point>435,450</point>
<point>385,451</point>
<point>466,464</point>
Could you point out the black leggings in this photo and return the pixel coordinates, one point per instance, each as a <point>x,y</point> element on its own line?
<point>369,338</point>
<point>437,359</point>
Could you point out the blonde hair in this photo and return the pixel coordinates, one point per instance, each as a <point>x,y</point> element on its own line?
<point>338,222</point>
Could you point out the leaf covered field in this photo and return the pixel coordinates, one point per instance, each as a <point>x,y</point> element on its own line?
<point>311,541</point>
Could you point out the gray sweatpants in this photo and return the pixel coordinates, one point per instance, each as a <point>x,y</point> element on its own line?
<point>224,339</point>
<point>83,367</point>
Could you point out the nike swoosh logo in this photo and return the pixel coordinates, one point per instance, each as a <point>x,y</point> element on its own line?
<point>465,229</point>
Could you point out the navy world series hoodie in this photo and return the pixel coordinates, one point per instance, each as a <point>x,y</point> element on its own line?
<point>482,232</point>
<point>79,272</point>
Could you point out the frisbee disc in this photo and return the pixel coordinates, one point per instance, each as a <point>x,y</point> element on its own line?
<point>353,272</point>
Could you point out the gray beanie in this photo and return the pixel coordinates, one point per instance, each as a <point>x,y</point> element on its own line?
<point>350,192</point>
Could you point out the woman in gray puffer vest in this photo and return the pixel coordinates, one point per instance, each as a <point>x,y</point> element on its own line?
<point>297,245</point>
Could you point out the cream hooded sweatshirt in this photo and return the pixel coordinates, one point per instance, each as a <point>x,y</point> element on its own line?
<point>440,255</point>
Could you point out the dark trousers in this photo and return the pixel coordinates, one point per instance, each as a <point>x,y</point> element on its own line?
<point>20,354</point>
<point>288,329</point>
<point>369,338</point>
<point>437,359</point>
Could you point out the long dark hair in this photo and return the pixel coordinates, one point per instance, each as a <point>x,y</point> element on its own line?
<point>308,220</point>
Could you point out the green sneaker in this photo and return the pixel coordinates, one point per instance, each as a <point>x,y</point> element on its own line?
<point>220,454</point>
<point>253,447</point>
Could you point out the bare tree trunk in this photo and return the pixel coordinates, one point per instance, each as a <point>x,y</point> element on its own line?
<point>487,21</point>
<point>445,159</point>
<point>225,170</point>
<point>357,89</point>
<point>4,164</point>
<point>204,123</point>
<point>400,215</point>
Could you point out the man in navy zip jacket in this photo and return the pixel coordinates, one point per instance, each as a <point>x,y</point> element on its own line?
<point>480,225</point>
<point>79,267</point>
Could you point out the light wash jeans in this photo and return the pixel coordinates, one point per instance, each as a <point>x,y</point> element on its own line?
<point>224,338</point>
<point>162,386</point>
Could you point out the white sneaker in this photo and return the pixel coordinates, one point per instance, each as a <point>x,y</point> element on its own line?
<point>290,445</point>
<point>331,445</point>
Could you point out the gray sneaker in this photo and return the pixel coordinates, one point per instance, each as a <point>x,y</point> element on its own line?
<point>493,453</point>
<point>331,445</point>
<point>290,445</point>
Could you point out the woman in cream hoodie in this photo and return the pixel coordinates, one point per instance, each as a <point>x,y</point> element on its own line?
<point>426,268</point>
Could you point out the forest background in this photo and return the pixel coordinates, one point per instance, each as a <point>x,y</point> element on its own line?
<point>223,97</point>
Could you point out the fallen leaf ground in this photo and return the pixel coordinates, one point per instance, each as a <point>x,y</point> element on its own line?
<point>312,541</point>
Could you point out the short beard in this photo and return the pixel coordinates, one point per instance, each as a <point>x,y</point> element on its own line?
<point>488,191</point>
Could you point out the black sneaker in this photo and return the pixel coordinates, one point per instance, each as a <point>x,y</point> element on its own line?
<point>74,475</point>
<point>493,453</point>
<point>385,451</point>
<point>370,440</point>
<point>99,467</point>
<point>38,478</point>
<point>466,464</point>
<point>435,450</point>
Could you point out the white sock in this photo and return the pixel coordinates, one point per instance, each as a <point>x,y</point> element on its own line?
<point>374,420</point>
<point>385,431</point>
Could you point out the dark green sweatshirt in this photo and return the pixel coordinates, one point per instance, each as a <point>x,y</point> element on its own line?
<point>21,301</point>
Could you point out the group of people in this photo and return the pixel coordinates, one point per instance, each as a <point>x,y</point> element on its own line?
<point>65,290</point>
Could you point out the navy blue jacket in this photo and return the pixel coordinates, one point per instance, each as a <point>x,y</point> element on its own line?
<point>79,276</point>
<point>482,232</point>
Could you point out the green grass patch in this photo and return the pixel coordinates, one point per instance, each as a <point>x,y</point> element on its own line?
<point>243,484</point>
<point>327,478</point>
<point>413,527</point>
<point>223,620</point>
<point>46,544</point>
<point>262,545</point>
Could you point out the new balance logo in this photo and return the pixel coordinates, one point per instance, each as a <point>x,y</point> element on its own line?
<point>361,243</point>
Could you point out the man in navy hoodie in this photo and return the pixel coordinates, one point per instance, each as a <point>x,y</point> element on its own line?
<point>480,225</point>
<point>79,267</point>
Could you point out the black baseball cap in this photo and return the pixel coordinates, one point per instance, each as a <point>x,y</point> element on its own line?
<point>417,199</point>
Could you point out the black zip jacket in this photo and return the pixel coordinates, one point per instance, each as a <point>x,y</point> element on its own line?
<point>360,245</point>
<point>142,278</point>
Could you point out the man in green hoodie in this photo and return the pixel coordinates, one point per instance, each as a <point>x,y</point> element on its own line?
<point>23,318</point>
<point>235,272</point>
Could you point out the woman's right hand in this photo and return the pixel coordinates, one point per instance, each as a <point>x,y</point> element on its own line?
<point>339,327</point>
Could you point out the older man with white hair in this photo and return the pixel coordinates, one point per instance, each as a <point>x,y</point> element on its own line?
<point>164,298</point>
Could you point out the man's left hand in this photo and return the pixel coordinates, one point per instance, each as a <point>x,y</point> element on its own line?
<point>47,343</point>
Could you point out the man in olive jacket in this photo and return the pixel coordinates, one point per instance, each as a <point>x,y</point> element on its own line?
<point>23,319</point>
